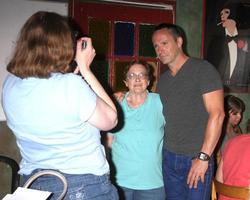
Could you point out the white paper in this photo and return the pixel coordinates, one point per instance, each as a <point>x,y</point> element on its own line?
<point>27,194</point>
<point>7,197</point>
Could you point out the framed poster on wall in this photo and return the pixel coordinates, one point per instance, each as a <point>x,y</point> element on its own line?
<point>227,42</point>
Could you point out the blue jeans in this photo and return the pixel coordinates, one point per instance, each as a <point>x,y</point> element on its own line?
<point>175,171</point>
<point>80,187</point>
<point>151,194</point>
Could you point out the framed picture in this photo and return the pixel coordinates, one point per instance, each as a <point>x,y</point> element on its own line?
<point>227,42</point>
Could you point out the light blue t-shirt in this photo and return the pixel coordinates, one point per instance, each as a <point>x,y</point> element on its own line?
<point>49,118</point>
<point>137,147</point>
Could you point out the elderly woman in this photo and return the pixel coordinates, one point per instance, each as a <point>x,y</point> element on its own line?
<point>57,115</point>
<point>137,146</point>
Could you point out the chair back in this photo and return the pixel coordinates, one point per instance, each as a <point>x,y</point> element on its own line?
<point>232,191</point>
<point>14,171</point>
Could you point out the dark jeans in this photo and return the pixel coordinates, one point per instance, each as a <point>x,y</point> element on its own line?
<point>151,194</point>
<point>80,187</point>
<point>175,171</point>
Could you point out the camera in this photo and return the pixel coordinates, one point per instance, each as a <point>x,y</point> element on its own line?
<point>84,44</point>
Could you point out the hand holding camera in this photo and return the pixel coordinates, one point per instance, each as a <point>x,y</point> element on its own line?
<point>85,54</point>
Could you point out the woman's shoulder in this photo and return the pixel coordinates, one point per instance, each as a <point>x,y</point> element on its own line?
<point>154,95</point>
<point>67,79</point>
<point>241,137</point>
<point>70,83</point>
<point>238,141</point>
<point>60,76</point>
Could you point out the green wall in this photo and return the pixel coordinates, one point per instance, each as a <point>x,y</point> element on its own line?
<point>189,17</point>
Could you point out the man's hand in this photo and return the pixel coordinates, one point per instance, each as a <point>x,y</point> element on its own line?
<point>197,172</point>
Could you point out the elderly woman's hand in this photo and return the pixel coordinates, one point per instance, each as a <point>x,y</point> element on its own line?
<point>119,96</point>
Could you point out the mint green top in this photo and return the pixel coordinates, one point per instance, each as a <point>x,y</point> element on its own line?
<point>137,147</point>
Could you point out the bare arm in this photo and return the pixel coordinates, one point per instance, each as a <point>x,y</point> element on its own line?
<point>104,117</point>
<point>105,114</point>
<point>213,102</point>
<point>214,105</point>
<point>110,139</point>
<point>219,172</point>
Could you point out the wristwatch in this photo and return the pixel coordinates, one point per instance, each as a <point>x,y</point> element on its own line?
<point>203,156</point>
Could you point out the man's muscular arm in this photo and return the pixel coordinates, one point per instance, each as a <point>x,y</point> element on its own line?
<point>213,102</point>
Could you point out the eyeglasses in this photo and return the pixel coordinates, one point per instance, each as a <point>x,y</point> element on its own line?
<point>134,76</point>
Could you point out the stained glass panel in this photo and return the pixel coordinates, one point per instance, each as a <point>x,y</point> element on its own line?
<point>101,70</point>
<point>124,39</point>
<point>99,31</point>
<point>145,43</point>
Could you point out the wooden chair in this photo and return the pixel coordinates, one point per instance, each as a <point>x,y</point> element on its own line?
<point>14,170</point>
<point>229,191</point>
<point>213,192</point>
